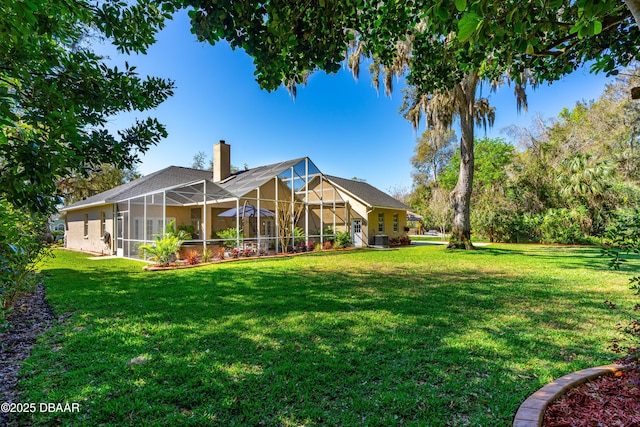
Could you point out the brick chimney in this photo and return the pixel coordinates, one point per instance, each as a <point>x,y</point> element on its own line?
<point>221,161</point>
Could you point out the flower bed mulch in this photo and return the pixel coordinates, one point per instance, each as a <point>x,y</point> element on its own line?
<point>608,401</point>
<point>179,265</point>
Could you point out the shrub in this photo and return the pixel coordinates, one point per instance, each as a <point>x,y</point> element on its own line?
<point>230,237</point>
<point>220,253</point>
<point>298,236</point>
<point>564,225</point>
<point>624,237</point>
<point>248,252</point>
<point>181,234</point>
<point>327,245</point>
<point>206,255</point>
<point>193,257</point>
<point>343,239</point>
<point>189,230</point>
<point>21,249</point>
<point>163,250</point>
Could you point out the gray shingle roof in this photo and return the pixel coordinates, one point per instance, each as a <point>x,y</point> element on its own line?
<point>367,193</point>
<point>164,178</point>
<point>237,185</point>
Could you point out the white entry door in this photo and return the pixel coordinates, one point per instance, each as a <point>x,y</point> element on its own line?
<point>356,233</point>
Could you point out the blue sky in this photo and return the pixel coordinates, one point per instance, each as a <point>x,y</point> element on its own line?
<point>344,126</point>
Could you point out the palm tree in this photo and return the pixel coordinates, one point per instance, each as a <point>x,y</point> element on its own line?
<point>440,108</point>
<point>582,177</point>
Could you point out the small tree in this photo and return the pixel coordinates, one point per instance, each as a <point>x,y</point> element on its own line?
<point>21,250</point>
<point>440,208</point>
<point>624,237</point>
<point>288,216</point>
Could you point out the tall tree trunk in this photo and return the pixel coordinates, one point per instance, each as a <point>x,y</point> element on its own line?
<point>465,97</point>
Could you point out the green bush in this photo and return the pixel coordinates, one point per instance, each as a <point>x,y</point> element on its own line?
<point>623,237</point>
<point>564,226</point>
<point>343,239</point>
<point>298,236</point>
<point>230,237</point>
<point>21,250</point>
<point>163,250</point>
<point>181,233</point>
<point>188,230</point>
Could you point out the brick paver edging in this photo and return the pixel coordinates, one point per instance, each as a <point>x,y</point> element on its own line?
<point>531,412</point>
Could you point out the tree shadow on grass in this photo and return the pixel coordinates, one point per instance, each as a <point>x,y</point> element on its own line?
<point>256,344</point>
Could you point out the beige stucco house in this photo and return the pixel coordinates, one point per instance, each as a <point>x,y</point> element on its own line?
<point>270,208</point>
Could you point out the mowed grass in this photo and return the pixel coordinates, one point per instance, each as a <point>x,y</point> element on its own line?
<point>418,336</point>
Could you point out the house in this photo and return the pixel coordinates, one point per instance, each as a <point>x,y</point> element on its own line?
<point>267,208</point>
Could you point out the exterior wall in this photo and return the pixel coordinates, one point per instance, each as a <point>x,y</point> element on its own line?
<point>387,223</point>
<point>92,241</point>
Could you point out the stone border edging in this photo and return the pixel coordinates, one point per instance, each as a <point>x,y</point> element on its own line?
<point>531,412</point>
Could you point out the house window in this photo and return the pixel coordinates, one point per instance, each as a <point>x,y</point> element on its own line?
<point>395,222</point>
<point>380,223</point>
<point>86,225</point>
<point>155,227</point>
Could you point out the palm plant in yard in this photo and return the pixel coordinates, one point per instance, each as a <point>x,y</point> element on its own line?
<point>163,250</point>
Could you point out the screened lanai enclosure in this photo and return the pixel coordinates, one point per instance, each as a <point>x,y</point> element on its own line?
<point>268,209</point>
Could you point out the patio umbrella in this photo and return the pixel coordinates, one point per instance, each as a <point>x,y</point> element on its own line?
<point>245,211</point>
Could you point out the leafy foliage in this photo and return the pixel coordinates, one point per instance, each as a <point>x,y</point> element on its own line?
<point>564,225</point>
<point>623,238</point>
<point>21,249</point>
<point>56,93</point>
<point>193,257</point>
<point>230,236</point>
<point>182,232</point>
<point>163,250</point>
<point>76,187</point>
<point>343,240</point>
<point>566,181</point>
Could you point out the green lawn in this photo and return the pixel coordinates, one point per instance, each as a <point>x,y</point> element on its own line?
<point>417,336</point>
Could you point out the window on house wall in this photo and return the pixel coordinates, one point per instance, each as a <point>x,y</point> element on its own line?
<point>155,227</point>
<point>86,225</point>
<point>395,222</point>
<point>381,223</point>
